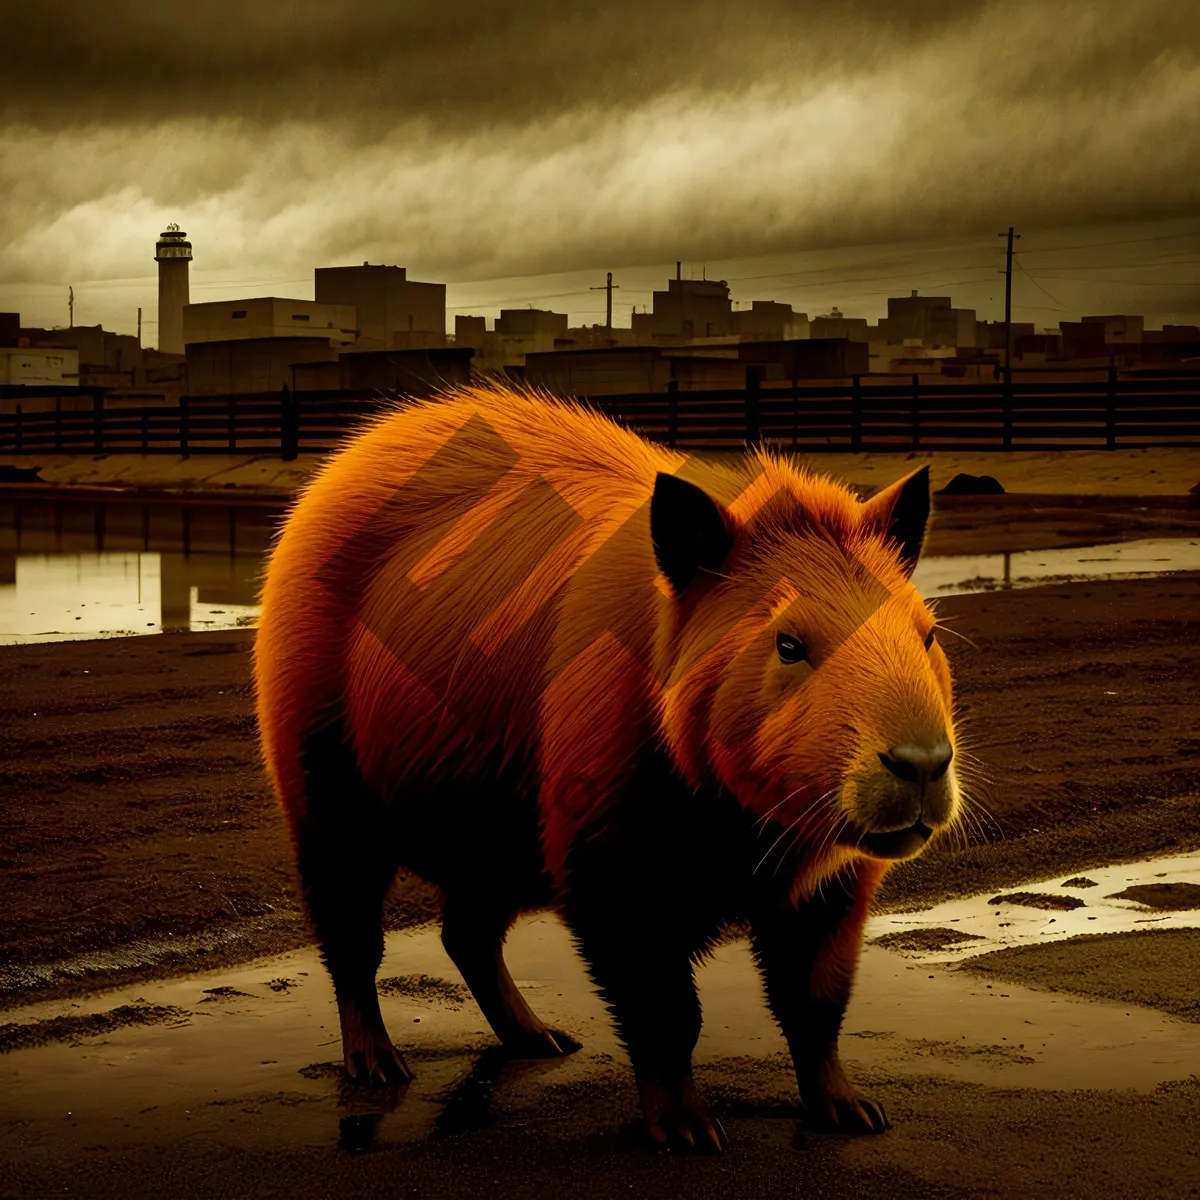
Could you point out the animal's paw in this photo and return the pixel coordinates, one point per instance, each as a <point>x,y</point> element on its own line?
<point>541,1043</point>
<point>375,1062</point>
<point>848,1114</point>
<point>676,1120</point>
<point>833,1105</point>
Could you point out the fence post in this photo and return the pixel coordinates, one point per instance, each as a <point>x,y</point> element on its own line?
<point>98,424</point>
<point>145,430</point>
<point>856,414</point>
<point>753,381</point>
<point>58,435</point>
<point>289,432</point>
<point>795,403</point>
<point>1110,409</point>
<point>914,415</point>
<point>184,402</point>
<point>672,412</point>
<point>232,425</point>
<point>18,431</point>
<point>1006,408</point>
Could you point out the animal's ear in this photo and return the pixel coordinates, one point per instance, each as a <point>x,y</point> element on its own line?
<point>901,513</point>
<point>690,531</point>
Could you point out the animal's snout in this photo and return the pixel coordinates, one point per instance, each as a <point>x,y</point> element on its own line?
<point>921,765</point>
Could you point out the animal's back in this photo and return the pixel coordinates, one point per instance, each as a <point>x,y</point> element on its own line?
<point>414,588</point>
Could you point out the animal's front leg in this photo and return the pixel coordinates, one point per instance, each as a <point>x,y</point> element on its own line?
<point>808,955</point>
<point>650,989</point>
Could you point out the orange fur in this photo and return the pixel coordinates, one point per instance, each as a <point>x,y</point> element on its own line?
<point>474,576</point>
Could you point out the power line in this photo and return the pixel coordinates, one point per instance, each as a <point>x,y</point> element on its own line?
<point>1162,237</point>
<point>836,283</point>
<point>871,279</point>
<point>1175,283</point>
<point>1145,266</point>
<point>1041,289</point>
<point>529,299</point>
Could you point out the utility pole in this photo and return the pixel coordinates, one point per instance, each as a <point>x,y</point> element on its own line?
<point>139,326</point>
<point>607,287</point>
<point>1008,340</point>
<point>71,307</point>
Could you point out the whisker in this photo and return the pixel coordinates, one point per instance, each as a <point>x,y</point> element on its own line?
<point>807,812</point>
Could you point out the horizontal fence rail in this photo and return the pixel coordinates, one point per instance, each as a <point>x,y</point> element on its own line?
<point>862,415</point>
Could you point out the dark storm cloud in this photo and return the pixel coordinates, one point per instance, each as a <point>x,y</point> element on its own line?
<point>448,63</point>
<point>477,140</point>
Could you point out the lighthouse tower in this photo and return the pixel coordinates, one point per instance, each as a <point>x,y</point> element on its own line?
<point>173,253</point>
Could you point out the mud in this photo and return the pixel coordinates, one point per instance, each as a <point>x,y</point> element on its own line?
<point>1157,968</point>
<point>23,1036</point>
<point>246,1097</point>
<point>1039,900</point>
<point>1169,897</point>
<point>924,939</point>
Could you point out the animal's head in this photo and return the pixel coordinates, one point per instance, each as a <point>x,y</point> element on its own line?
<point>803,669</point>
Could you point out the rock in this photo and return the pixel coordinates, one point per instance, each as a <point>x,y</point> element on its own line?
<point>972,485</point>
<point>10,474</point>
<point>1039,900</point>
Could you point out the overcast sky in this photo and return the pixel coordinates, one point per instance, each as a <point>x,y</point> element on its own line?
<point>484,144</point>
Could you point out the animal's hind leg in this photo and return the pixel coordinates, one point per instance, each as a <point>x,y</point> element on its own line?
<point>473,931</point>
<point>347,862</point>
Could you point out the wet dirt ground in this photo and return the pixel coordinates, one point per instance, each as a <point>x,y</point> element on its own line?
<point>139,846</point>
<point>225,1084</point>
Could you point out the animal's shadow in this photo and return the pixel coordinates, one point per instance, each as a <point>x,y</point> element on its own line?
<point>467,1108</point>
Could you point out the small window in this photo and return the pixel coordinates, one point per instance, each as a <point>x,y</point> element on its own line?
<point>300,317</point>
<point>238,312</point>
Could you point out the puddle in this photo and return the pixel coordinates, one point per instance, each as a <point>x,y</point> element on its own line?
<point>246,1054</point>
<point>996,921</point>
<point>950,575</point>
<point>70,570</point>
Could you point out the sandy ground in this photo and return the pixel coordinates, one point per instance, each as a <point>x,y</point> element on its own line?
<point>1071,472</point>
<point>138,841</point>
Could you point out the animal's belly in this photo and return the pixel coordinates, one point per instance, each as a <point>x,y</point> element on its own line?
<point>474,831</point>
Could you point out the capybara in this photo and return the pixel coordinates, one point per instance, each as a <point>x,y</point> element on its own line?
<point>517,650</point>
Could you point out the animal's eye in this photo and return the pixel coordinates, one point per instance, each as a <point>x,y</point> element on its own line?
<point>790,649</point>
<point>930,639</point>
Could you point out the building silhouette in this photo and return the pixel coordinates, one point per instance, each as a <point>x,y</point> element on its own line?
<point>394,312</point>
<point>269,317</point>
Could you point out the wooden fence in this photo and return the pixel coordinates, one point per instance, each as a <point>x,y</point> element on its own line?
<point>860,415</point>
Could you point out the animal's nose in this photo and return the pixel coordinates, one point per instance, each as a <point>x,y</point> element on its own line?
<point>918,764</point>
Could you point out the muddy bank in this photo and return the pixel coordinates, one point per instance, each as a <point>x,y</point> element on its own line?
<point>1157,969</point>
<point>137,835</point>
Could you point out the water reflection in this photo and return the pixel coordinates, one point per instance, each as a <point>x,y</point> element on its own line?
<point>950,575</point>
<point>70,570</point>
